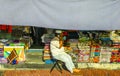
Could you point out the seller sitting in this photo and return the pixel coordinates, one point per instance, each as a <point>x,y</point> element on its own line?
<point>58,52</point>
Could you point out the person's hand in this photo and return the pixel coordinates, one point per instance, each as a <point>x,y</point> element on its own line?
<point>68,49</point>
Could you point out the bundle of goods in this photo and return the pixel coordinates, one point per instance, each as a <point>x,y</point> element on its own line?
<point>95,53</point>
<point>116,45</point>
<point>2,59</point>
<point>12,57</point>
<point>84,53</point>
<point>106,41</point>
<point>19,52</point>
<point>105,54</point>
<point>1,51</point>
<point>115,57</point>
<point>47,54</point>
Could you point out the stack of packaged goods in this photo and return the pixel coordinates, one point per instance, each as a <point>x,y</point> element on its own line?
<point>47,54</point>
<point>47,57</point>
<point>19,51</point>
<point>116,45</point>
<point>115,55</point>
<point>2,59</point>
<point>3,42</point>
<point>105,54</point>
<point>84,52</point>
<point>1,51</point>
<point>95,53</point>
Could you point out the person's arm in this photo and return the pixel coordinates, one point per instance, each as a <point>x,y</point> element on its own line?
<point>57,44</point>
<point>61,43</point>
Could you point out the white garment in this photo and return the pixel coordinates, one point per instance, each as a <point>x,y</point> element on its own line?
<point>60,54</point>
<point>54,46</point>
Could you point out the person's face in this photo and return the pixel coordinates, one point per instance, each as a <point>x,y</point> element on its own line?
<point>58,35</point>
<point>61,36</point>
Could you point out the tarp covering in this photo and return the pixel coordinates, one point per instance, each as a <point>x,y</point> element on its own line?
<point>62,14</point>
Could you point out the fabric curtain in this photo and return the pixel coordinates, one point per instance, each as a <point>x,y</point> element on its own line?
<point>62,14</point>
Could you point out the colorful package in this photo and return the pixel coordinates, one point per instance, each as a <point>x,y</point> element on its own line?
<point>84,54</point>
<point>105,54</point>
<point>1,50</point>
<point>12,56</point>
<point>2,60</point>
<point>95,54</point>
<point>115,55</point>
<point>19,50</point>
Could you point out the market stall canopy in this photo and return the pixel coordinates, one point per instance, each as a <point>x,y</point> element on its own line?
<point>62,14</point>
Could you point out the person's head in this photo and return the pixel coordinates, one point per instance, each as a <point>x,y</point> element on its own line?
<point>58,33</point>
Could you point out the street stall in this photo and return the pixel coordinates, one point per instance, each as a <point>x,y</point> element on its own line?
<point>91,49</point>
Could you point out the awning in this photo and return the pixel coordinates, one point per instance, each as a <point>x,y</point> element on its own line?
<point>62,14</point>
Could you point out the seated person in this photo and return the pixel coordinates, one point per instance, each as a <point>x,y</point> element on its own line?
<point>58,52</point>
